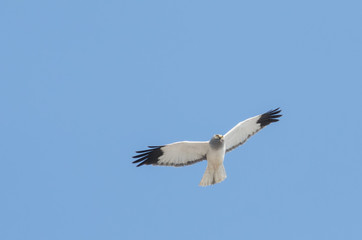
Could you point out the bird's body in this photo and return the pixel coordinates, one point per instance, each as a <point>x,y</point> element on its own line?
<point>215,171</point>
<point>186,153</point>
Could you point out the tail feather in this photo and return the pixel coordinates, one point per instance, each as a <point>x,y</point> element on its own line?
<point>213,176</point>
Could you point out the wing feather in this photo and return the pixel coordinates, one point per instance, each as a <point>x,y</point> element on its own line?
<point>175,154</point>
<point>239,134</point>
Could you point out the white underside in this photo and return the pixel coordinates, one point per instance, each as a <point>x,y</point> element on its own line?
<point>215,171</point>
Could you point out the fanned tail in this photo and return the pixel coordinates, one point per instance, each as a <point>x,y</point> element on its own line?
<point>213,176</point>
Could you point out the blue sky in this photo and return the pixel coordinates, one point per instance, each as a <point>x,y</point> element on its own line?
<point>84,84</point>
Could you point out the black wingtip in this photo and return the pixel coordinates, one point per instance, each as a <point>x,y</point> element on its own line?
<point>140,164</point>
<point>149,156</point>
<point>269,117</point>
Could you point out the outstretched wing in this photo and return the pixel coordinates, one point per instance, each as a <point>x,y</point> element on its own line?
<point>174,154</point>
<point>245,129</point>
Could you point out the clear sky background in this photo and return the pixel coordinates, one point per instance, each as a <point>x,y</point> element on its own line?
<point>84,84</point>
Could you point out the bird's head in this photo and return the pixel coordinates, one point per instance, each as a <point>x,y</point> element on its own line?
<point>217,141</point>
<point>218,137</point>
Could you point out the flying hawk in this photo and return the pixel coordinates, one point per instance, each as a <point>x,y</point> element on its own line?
<point>186,153</point>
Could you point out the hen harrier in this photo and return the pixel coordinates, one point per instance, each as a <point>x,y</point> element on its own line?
<point>186,153</point>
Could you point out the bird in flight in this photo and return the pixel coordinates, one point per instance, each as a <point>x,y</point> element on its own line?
<point>186,153</point>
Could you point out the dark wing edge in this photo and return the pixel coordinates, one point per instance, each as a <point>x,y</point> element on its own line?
<point>241,143</point>
<point>269,117</point>
<point>149,156</point>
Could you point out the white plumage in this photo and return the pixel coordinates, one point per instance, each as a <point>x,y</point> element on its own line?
<point>186,153</point>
